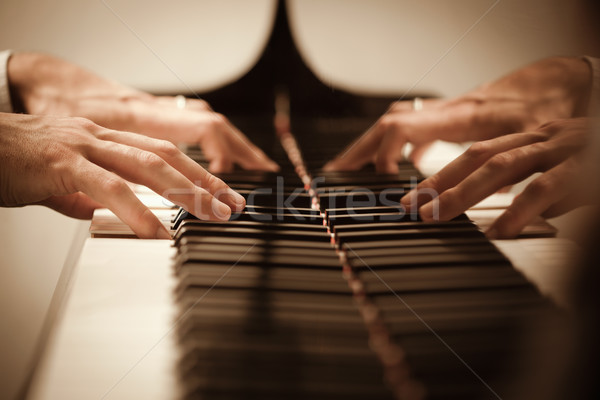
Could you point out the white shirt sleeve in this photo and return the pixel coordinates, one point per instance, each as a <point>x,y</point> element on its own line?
<point>5,104</point>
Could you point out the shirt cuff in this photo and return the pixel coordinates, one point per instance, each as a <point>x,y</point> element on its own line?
<point>594,107</point>
<point>5,104</point>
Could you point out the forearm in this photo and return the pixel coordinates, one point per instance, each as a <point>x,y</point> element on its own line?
<point>42,84</point>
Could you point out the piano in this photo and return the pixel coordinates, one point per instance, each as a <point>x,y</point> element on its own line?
<point>322,288</point>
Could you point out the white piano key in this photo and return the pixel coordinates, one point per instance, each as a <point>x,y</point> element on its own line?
<point>115,335</point>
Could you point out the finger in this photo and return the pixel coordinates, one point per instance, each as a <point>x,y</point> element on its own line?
<point>113,192</point>
<point>468,162</point>
<point>417,153</point>
<point>216,150</point>
<point>205,128</point>
<point>220,165</point>
<point>197,105</point>
<point>247,155</point>
<point>77,205</point>
<point>193,104</point>
<point>390,152</point>
<point>540,195</point>
<point>451,122</point>
<point>359,152</point>
<point>149,169</point>
<point>188,167</point>
<point>502,169</point>
<point>408,105</point>
<point>568,203</point>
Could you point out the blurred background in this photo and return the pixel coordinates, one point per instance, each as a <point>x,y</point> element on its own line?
<point>377,47</point>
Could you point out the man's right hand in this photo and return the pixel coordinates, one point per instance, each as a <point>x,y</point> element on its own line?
<point>74,166</point>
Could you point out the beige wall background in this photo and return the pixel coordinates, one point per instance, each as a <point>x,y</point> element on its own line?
<point>374,46</point>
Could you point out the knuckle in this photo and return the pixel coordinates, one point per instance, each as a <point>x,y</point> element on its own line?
<point>148,225</point>
<point>540,187</point>
<point>219,118</point>
<point>538,147</point>
<point>396,105</point>
<point>203,104</point>
<point>213,182</point>
<point>85,123</point>
<point>450,197</point>
<point>478,150</point>
<point>150,160</point>
<point>551,128</point>
<point>501,161</point>
<point>115,186</point>
<point>216,122</point>
<point>56,152</point>
<point>167,148</point>
<point>388,122</point>
<point>430,183</point>
<point>507,225</point>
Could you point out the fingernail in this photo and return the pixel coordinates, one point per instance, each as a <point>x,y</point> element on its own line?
<point>162,233</point>
<point>236,199</point>
<point>220,210</point>
<point>407,200</point>
<point>491,233</point>
<point>274,166</point>
<point>426,212</point>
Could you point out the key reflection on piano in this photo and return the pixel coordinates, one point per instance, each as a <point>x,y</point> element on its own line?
<point>318,299</point>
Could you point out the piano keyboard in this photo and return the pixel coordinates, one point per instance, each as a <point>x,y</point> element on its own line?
<point>330,291</point>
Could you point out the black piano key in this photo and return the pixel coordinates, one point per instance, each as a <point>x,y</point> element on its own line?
<point>269,179</point>
<point>274,225</point>
<point>278,217</point>
<point>334,220</point>
<point>397,281</point>
<point>255,294</point>
<point>245,243</point>
<point>330,330</point>
<point>302,200</point>
<point>402,251</point>
<point>406,234</point>
<point>365,210</point>
<point>251,298</point>
<point>420,245</point>
<point>193,250</point>
<point>266,234</point>
<point>319,280</point>
<point>404,225</point>
<point>360,199</point>
<point>254,256</point>
<point>447,259</point>
<point>288,210</point>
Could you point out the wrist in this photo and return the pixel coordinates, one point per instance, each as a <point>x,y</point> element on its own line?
<point>581,88</point>
<point>593,109</point>
<point>21,79</point>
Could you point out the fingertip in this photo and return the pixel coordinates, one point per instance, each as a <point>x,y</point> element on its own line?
<point>162,233</point>
<point>273,166</point>
<point>328,167</point>
<point>407,200</point>
<point>426,212</point>
<point>217,166</point>
<point>235,200</point>
<point>387,167</point>
<point>491,233</point>
<point>220,210</point>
